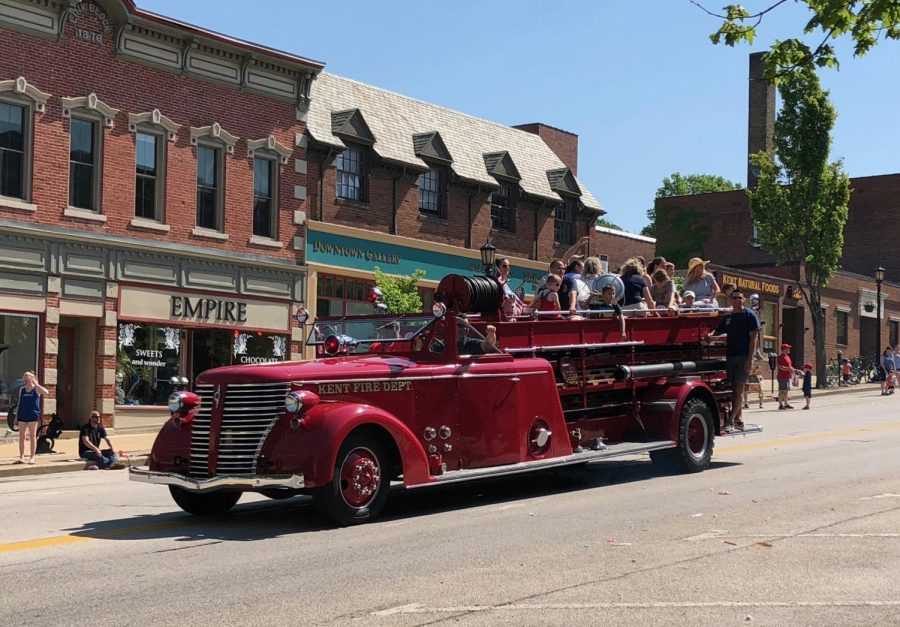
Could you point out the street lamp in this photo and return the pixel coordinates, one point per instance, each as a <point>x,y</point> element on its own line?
<point>488,251</point>
<point>879,277</point>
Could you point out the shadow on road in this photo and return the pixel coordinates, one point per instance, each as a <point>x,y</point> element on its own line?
<point>262,520</point>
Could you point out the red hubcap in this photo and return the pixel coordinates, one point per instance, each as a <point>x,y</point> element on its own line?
<point>697,435</point>
<point>360,477</point>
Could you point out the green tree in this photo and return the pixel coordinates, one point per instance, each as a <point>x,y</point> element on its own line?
<point>686,185</point>
<point>607,224</point>
<point>865,21</point>
<point>401,293</point>
<point>800,204</point>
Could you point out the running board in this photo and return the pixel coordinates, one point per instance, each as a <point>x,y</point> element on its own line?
<point>586,457</point>
<point>748,428</point>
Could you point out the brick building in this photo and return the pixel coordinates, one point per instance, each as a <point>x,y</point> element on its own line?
<point>719,226</point>
<point>402,184</point>
<point>149,185</point>
<point>615,247</point>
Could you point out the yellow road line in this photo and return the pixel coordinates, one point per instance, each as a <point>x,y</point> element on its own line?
<point>43,543</point>
<point>812,437</point>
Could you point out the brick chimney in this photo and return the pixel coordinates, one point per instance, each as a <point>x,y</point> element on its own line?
<point>761,114</point>
<point>563,143</point>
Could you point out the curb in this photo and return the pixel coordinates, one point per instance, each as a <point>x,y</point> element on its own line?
<point>771,397</point>
<point>69,465</point>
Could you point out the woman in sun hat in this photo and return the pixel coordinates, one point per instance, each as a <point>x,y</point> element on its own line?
<point>700,282</point>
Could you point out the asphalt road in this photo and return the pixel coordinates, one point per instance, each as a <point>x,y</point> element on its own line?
<point>797,526</point>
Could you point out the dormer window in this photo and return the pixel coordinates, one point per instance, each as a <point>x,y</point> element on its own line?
<point>352,175</point>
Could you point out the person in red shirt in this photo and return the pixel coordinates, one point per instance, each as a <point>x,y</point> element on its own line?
<point>784,374</point>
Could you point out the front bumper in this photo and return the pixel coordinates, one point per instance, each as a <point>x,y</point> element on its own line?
<point>293,482</point>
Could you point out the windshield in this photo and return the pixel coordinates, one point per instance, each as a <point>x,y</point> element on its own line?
<point>392,334</point>
<point>372,334</point>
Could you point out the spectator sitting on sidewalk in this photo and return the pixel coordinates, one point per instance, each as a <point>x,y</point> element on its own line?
<point>89,445</point>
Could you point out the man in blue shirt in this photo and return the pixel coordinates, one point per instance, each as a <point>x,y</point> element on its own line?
<point>741,327</point>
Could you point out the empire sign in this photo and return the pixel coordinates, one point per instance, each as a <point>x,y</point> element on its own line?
<point>207,309</point>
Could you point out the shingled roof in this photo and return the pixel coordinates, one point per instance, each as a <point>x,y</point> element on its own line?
<point>394,120</point>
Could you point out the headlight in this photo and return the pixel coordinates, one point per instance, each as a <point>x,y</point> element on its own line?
<point>176,402</point>
<point>292,402</point>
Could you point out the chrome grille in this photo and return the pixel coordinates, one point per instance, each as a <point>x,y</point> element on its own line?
<point>200,432</point>
<point>248,416</point>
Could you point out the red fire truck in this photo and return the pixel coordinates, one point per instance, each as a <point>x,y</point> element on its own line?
<point>425,399</point>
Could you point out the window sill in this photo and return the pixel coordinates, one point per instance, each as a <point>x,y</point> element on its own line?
<point>209,234</point>
<point>8,202</point>
<point>150,225</point>
<point>267,242</point>
<point>351,203</point>
<point>430,217</point>
<point>84,214</point>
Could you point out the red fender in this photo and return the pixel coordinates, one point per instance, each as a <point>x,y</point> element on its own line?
<point>677,393</point>
<point>313,448</point>
<point>171,443</point>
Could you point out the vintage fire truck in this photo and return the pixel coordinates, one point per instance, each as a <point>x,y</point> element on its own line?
<point>425,399</point>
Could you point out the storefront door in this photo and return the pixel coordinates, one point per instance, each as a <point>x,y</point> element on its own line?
<point>65,373</point>
<point>792,331</point>
<point>868,328</point>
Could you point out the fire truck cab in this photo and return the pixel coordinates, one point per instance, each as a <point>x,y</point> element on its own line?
<point>453,395</point>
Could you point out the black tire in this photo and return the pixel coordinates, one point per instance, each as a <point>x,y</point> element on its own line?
<point>277,494</point>
<point>693,452</point>
<point>11,421</point>
<point>364,456</point>
<point>209,504</point>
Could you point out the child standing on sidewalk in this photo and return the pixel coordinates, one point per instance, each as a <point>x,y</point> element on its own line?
<point>807,383</point>
<point>846,371</point>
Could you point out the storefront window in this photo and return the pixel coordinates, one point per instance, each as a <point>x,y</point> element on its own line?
<point>18,354</point>
<point>894,332</point>
<point>769,326</point>
<point>147,358</point>
<point>213,348</point>
<point>338,296</point>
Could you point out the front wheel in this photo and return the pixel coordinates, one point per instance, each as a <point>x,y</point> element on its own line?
<point>693,451</point>
<point>200,504</point>
<point>359,488</point>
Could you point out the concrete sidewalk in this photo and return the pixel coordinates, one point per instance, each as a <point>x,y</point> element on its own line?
<point>134,446</point>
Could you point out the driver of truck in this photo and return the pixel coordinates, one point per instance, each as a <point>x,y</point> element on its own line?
<point>477,346</point>
<point>466,345</point>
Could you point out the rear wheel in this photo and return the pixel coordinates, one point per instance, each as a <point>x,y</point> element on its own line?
<point>693,451</point>
<point>359,489</point>
<point>208,504</point>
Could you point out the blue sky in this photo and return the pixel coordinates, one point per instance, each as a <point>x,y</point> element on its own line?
<point>639,82</point>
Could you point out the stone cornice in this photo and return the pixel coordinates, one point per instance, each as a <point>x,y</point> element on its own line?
<point>104,240</point>
<point>90,103</point>
<point>268,144</point>
<point>22,87</point>
<point>214,131</point>
<point>153,118</point>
